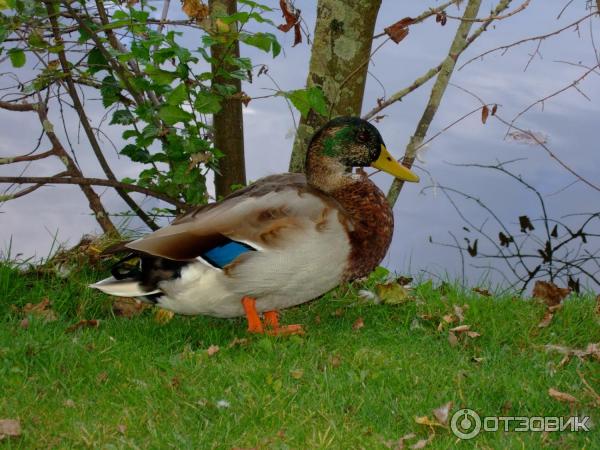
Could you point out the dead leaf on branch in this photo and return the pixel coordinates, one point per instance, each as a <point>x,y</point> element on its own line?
<point>195,9</point>
<point>292,20</point>
<point>485,112</point>
<point>398,31</point>
<point>9,428</point>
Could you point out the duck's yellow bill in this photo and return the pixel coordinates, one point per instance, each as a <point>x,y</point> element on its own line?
<point>387,163</point>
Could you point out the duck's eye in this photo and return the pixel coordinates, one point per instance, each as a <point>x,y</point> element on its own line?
<point>362,136</point>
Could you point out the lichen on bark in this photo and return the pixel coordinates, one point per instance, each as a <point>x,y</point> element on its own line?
<point>338,64</point>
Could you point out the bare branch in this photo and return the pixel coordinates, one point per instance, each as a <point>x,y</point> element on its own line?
<point>85,181</point>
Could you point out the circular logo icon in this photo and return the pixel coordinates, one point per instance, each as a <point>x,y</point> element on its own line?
<point>465,424</point>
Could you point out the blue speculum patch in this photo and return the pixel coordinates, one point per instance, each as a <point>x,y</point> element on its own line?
<point>224,254</point>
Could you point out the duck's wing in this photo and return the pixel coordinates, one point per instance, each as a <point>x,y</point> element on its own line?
<point>254,216</point>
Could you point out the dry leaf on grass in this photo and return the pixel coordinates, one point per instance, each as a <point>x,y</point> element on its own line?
<point>128,307</point>
<point>441,413</point>
<point>163,316</point>
<point>598,305</point>
<point>561,396</point>
<point>297,373</point>
<point>460,328</point>
<point>93,323</point>
<point>392,293</point>
<point>9,428</point>
<point>358,324</point>
<point>592,350</point>
<point>452,339</point>
<point>42,309</point>
<point>422,443</point>
<point>482,291</point>
<point>238,341</point>
<point>550,293</point>
<point>212,350</point>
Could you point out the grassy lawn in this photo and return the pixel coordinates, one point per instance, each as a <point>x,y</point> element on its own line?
<point>137,383</point>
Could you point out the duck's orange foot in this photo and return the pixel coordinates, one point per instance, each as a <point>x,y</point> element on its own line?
<point>271,326</point>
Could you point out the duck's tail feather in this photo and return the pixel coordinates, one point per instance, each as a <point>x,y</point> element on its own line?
<point>126,287</point>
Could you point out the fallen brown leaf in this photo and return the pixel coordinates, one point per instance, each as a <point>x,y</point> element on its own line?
<point>9,428</point>
<point>297,373</point>
<point>358,324</point>
<point>128,307</point>
<point>459,311</point>
<point>336,361</point>
<point>452,339</point>
<point>24,323</point>
<point>550,293</point>
<point>546,319</point>
<point>592,349</point>
<point>392,293</point>
<point>422,443</point>
<point>473,334</point>
<point>102,377</point>
<point>561,396</point>
<point>441,413</point>
<point>163,316</point>
<point>93,323</point>
<point>213,349</point>
<point>238,341</point>
<point>460,328</point>
<point>598,305</point>
<point>122,428</point>
<point>425,420</point>
<point>41,309</point>
<point>482,291</point>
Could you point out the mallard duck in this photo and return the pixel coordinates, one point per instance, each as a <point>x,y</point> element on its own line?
<point>279,242</point>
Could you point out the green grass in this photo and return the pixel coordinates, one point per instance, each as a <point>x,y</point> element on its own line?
<point>135,383</point>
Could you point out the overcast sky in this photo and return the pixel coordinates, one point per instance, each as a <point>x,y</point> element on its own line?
<point>568,121</point>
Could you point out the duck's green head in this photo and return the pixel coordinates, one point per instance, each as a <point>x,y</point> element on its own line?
<point>353,142</point>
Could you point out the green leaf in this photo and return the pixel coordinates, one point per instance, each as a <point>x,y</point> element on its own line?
<point>306,99</point>
<point>136,153</point>
<point>264,41</point>
<point>177,96</point>
<point>96,61</point>
<point>172,114</point>
<point>207,103</point>
<point>160,76</point>
<point>122,117</point>
<point>17,57</point>
<point>254,4</point>
<point>129,134</point>
<point>36,40</point>
<point>110,91</point>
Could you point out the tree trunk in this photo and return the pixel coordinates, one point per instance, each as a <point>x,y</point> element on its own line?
<point>338,64</point>
<point>228,124</point>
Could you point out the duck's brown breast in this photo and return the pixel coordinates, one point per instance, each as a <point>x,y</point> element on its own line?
<point>372,226</point>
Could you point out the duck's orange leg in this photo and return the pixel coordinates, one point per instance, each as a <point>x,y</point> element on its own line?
<point>254,323</point>
<point>271,321</point>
